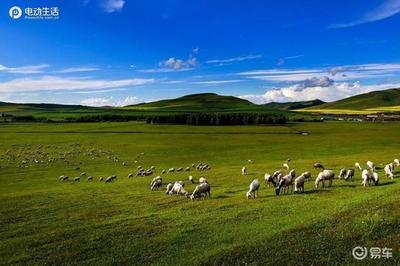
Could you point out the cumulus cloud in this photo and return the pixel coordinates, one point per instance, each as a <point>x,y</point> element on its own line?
<point>386,10</point>
<point>109,101</point>
<point>50,83</point>
<point>332,92</point>
<point>111,6</point>
<point>24,69</point>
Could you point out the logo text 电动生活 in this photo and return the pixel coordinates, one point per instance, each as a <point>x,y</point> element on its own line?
<point>16,12</point>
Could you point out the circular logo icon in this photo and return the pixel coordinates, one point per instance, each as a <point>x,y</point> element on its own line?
<point>360,253</point>
<point>15,12</point>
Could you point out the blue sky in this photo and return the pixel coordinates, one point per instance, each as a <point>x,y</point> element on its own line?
<point>118,52</point>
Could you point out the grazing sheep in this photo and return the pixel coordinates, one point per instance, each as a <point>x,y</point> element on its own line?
<point>178,189</point>
<point>371,165</point>
<point>180,169</point>
<point>244,170</point>
<point>292,173</point>
<point>388,171</point>
<point>90,178</point>
<point>375,178</point>
<point>110,179</point>
<point>169,188</point>
<point>253,189</point>
<point>191,179</point>
<point>171,170</point>
<point>307,175</point>
<point>269,180</point>
<point>83,174</point>
<point>349,175</point>
<point>286,166</point>
<point>202,180</point>
<point>156,184</point>
<point>358,166</point>
<point>299,182</point>
<point>77,179</point>
<point>63,178</point>
<point>319,166</point>
<point>163,172</point>
<point>187,169</point>
<point>101,179</point>
<point>365,176</point>
<point>286,182</point>
<point>324,175</point>
<point>155,179</point>
<point>342,173</point>
<point>130,175</point>
<point>200,190</point>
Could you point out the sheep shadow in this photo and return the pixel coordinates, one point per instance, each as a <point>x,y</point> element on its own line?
<point>387,183</point>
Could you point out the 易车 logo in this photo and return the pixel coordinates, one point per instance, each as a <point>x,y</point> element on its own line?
<point>15,12</point>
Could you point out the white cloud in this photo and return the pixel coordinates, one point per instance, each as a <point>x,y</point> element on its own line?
<point>386,10</point>
<point>68,83</point>
<point>109,101</point>
<point>24,69</point>
<point>233,59</point>
<point>111,6</point>
<point>177,64</point>
<point>348,72</point>
<point>329,93</point>
<point>78,69</point>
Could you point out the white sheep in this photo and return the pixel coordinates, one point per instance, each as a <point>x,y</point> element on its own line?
<point>318,166</point>
<point>63,178</point>
<point>358,166</point>
<point>286,182</point>
<point>156,184</point>
<point>202,180</point>
<point>269,180</point>
<point>375,178</point>
<point>90,178</point>
<point>253,189</point>
<point>286,166</point>
<point>349,175</point>
<point>396,162</point>
<point>323,176</point>
<point>371,165</point>
<point>244,170</point>
<point>178,189</point>
<point>299,182</point>
<point>200,190</point>
<point>169,188</point>
<point>342,173</point>
<point>191,179</point>
<point>171,170</point>
<point>388,171</point>
<point>365,176</point>
<point>77,179</point>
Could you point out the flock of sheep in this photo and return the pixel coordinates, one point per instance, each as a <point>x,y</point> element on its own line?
<point>289,181</point>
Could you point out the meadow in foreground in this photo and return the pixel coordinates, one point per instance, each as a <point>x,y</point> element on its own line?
<point>45,221</point>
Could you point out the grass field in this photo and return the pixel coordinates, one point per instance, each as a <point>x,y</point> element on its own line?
<point>44,221</point>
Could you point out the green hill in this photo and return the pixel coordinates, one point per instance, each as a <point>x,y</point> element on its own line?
<point>293,105</point>
<point>375,100</point>
<point>199,103</point>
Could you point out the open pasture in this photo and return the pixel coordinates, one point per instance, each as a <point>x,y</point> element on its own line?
<point>45,221</point>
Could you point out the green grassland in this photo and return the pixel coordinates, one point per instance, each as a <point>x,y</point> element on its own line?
<point>386,101</point>
<point>44,221</point>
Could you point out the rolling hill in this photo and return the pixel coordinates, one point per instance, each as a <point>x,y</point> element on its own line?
<point>371,102</point>
<point>294,105</point>
<point>209,102</point>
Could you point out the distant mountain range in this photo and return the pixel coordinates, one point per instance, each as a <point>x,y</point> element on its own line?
<point>376,101</point>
